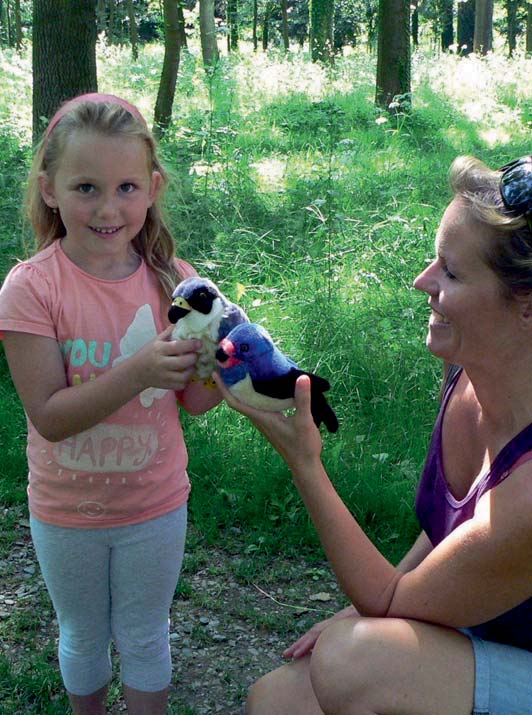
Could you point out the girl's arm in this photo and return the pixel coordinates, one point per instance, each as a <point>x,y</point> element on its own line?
<point>482,569</point>
<point>198,398</point>
<point>58,410</point>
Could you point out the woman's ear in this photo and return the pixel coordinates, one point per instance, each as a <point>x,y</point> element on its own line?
<point>155,186</point>
<point>46,188</point>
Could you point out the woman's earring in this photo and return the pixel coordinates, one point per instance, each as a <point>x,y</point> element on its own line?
<point>54,211</point>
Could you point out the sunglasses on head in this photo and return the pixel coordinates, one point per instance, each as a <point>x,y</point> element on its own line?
<point>516,187</point>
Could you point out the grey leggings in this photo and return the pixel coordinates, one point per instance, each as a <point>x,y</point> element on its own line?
<point>113,584</point>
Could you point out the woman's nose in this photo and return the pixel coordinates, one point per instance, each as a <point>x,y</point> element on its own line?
<point>426,281</point>
<point>107,205</point>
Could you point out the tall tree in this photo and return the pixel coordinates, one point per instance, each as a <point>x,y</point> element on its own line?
<point>393,52</point>
<point>284,23</point>
<point>172,54</point>
<point>321,30</point>
<point>232,23</point>
<point>64,54</point>
<point>18,26</point>
<point>529,29</point>
<point>133,31</point>
<point>266,24</point>
<point>209,43</point>
<point>465,26</point>
<point>415,23</point>
<point>255,24</point>
<point>511,14</point>
<point>483,39</point>
<point>446,11</point>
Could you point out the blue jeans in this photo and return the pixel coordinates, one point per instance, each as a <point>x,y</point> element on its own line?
<point>113,584</point>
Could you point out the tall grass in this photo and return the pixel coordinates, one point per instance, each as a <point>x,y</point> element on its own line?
<point>315,211</point>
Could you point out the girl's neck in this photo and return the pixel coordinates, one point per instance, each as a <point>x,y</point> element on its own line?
<point>110,267</point>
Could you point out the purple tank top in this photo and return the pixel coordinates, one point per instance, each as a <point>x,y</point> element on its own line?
<point>439,513</point>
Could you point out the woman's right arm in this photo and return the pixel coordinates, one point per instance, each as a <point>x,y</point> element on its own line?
<point>305,643</point>
<point>58,410</point>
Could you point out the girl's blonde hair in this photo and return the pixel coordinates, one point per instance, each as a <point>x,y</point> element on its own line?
<point>110,119</point>
<point>510,252</point>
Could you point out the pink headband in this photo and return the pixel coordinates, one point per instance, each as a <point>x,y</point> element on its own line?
<point>91,97</point>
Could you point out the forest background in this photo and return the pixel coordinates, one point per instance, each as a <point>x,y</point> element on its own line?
<point>313,202</point>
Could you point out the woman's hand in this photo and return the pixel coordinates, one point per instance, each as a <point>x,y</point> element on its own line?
<point>295,437</point>
<point>304,645</point>
<point>166,364</point>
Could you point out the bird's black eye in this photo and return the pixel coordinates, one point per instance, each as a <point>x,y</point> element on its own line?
<point>203,295</point>
<point>244,348</point>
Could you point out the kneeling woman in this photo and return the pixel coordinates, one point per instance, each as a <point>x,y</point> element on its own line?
<point>449,630</point>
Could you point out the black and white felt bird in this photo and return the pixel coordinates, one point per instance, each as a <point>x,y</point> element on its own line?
<point>260,375</point>
<point>199,310</point>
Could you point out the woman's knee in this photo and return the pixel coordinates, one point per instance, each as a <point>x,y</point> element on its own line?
<point>346,663</point>
<point>285,691</point>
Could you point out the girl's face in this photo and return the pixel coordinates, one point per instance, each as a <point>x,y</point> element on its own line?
<point>102,189</point>
<point>471,321</point>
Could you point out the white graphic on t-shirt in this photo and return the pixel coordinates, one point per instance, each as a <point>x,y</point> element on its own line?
<point>140,332</point>
<point>108,448</point>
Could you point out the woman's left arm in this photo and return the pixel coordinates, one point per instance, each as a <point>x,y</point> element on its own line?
<point>482,569</point>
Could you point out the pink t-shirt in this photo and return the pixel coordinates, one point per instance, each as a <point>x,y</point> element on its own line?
<point>132,466</point>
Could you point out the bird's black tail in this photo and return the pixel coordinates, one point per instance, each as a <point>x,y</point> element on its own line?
<point>320,408</point>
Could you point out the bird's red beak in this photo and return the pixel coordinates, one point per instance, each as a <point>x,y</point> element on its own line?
<point>225,354</point>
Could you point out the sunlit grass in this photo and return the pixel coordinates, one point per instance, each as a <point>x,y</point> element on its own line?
<point>315,210</point>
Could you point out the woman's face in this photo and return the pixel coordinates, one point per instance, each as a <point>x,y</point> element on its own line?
<point>471,321</point>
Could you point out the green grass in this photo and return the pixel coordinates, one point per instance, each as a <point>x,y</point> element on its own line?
<point>289,182</point>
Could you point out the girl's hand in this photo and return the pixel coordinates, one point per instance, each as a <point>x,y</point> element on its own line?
<point>304,645</point>
<point>295,437</point>
<point>167,364</point>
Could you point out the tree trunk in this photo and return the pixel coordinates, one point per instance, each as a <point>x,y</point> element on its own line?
<point>209,44</point>
<point>232,22</point>
<point>266,25</point>
<point>64,55</point>
<point>415,23</point>
<point>511,9</point>
<point>321,30</point>
<point>447,32</point>
<point>172,53</point>
<point>465,27</point>
<point>255,24</point>
<point>284,14</point>
<point>393,53</point>
<point>18,26</point>
<point>133,32</point>
<point>483,39</point>
<point>101,16</point>
<point>529,29</point>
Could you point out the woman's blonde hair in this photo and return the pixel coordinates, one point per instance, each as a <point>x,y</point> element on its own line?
<point>510,253</point>
<point>110,119</point>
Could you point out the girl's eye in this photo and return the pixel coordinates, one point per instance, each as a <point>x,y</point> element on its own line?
<point>127,188</point>
<point>85,188</point>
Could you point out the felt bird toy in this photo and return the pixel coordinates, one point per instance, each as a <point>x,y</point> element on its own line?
<point>199,310</point>
<point>260,375</point>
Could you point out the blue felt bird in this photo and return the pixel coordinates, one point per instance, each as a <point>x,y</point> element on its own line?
<point>260,375</point>
<point>200,310</point>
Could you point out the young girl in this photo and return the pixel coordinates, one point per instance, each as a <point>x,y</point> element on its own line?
<point>88,345</point>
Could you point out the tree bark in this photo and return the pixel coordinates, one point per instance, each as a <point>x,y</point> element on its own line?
<point>447,31</point>
<point>209,44</point>
<point>321,30</point>
<point>511,9</point>
<point>172,53</point>
<point>393,53</point>
<point>133,32</point>
<point>483,39</point>
<point>255,24</point>
<point>64,55</point>
<point>232,22</point>
<point>465,27</point>
<point>415,23</point>
<point>284,15</point>
<point>529,29</point>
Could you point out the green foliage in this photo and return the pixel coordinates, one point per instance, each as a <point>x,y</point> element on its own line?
<point>315,211</point>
